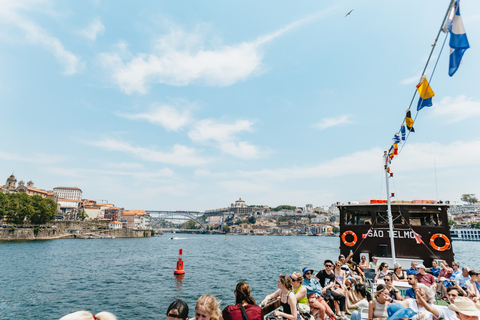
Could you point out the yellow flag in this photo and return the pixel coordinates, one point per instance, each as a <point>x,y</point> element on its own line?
<point>424,89</point>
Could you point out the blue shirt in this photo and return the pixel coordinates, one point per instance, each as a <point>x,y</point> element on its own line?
<point>412,271</point>
<point>410,293</point>
<point>435,272</point>
<point>313,286</point>
<point>455,274</point>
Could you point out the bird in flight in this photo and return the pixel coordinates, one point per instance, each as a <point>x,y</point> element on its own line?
<point>349,12</point>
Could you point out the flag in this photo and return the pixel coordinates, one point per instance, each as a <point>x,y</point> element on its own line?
<point>395,149</point>
<point>403,131</point>
<point>426,93</point>
<point>396,138</point>
<point>390,153</point>
<point>458,41</point>
<point>366,234</point>
<point>418,237</point>
<point>409,121</point>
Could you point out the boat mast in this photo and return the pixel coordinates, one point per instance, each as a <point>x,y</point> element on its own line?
<point>389,206</point>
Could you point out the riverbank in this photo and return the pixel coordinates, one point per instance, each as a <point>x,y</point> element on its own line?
<point>70,230</point>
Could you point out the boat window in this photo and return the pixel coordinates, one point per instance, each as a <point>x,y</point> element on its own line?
<point>358,217</point>
<point>425,219</point>
<point>382,217</point>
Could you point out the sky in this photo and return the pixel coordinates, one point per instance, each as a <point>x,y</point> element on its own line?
<point>191,105</point>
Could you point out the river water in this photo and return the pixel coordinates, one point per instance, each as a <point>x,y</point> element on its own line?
<point>133,278</point>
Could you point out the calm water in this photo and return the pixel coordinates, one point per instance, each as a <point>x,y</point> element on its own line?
<point>133,278</point>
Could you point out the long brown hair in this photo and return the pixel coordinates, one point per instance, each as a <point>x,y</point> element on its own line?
<point>242,294</point>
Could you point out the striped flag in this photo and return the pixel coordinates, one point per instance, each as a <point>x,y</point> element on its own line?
<point>458,41</point>
<point>426,93</point>
<point>409,121</point>
<point>418,237</point>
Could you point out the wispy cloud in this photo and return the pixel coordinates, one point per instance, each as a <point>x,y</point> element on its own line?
<point>94,29</point>
<point>180,59</point>
<point>32,158</point>
<point>457,109</point>
<point>180,155</point>
<point>224,136</point>
<point>164,115</point>
<point>326,123</point>
<point>11,14</point>
<point>413,79</point>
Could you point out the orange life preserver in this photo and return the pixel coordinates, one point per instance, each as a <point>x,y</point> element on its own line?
<point>350,244</point>
<point>444,237</point>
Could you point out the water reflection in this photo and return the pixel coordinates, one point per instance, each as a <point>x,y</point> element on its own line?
<point>179,281</point>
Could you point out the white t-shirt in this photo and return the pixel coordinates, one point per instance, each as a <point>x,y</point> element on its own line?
<point>445,313</point>
<point>422,313</point>
<point>362,304</point>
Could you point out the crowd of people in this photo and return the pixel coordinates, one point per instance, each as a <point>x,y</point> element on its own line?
<point>339,289</point>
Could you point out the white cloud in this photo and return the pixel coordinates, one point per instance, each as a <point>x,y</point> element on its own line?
<point>456,109</point>
<point>32,158</point>
<point>163,115</point>
<point>180,155</point>
<point>180,59</point>
<point>94,29</point>
<point>326,123</point>
<point>410,80</point>
<point>10,13</point>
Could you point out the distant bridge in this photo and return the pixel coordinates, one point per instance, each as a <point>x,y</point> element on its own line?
<point>157,217</point>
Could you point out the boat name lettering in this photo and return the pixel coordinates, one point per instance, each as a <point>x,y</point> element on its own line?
<point>400,234</point>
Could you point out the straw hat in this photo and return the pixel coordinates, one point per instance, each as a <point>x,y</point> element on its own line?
<point>465,306</point>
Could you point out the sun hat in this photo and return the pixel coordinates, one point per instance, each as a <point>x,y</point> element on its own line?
<point>421,266</point>
<point>397,311</point>
<point>464,306</point>
<point>178,309</point>
<point>304,270</point>
<point>397,265</point>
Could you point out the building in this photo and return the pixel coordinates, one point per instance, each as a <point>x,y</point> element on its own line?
<point>115,225</point>
<point>72,193</point>
<point>136,219</point>
<point>113,214</point>
<point>11,187</point>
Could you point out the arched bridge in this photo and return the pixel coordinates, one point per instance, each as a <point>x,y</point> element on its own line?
<point>159,216</point>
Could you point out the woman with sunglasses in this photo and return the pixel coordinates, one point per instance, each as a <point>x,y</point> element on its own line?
<point>398,273</point>
<point>377,308</point>
<point>301,296</point>
<point>326,277</point>
<point>318,306</point>
<point>382,271</point>
<point>393,292</point>
<point>363,263</point>
<point>287,299</point>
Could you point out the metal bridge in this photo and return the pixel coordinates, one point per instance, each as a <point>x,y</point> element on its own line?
<point>157,217</point>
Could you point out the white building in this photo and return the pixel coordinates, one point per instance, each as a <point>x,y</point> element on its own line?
<point>72,193</point>
<point>115,225</point>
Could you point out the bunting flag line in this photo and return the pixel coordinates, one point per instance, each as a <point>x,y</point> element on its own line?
<point>426,93</point>
<point>458,41</point>
<point>403,131</point>
<point>418,238</point>
<point>396,138</point>
<point>395,149</point>
<point>409,121</point>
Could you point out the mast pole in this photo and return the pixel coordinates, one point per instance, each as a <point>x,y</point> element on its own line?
<point>389,206</point>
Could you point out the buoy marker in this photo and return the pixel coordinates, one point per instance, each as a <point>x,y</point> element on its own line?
<point>179,269</point>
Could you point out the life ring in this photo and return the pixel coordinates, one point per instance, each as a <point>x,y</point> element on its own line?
<point>350,244</point>
<point>444,237</point>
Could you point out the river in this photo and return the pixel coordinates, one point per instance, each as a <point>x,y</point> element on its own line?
<point>133,278</point>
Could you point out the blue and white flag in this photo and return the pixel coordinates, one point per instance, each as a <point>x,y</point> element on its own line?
<point>458,41</point>
<point>403,131</point>
<point>396,138</point>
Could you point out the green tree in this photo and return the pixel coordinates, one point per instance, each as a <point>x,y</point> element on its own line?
<point>44,210</point>
<point>226,229</point>
<point>190,224</point>
<point>335,229</point>
<point>452,223</point>
<point>469,197</point>
<point>252,220</point>
<point>83,215</point>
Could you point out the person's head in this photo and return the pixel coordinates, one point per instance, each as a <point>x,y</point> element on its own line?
<point>242,294</point>
<point>434,264</point>
<point>374,259</point>
<point>285,281</point>
<point>341,258</point>
<point>307,273</point>
<point>383,267</point>
<point>397,311</point>
<point>362,292</point>
<point>421,269</point>
<point>388,280</point>
<point>328,265</point>
<point>465,271</point>
<point>177,310</point>
<point>426,293</point>
<point>465,309</point>
<point>473,275</point>
<point>207,308</point>
<point>455,265</point>
<point>412,279</point>
<point>452,294</point>
<point>382,293</point>
<point>338,265</point>
<point>396,266</point>
<point>297,279</point>
<point>363,258</point>
<point>414,265</point>
<point>85,315</point>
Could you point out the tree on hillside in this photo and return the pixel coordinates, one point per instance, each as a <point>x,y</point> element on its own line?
<point>252,220</point>
<point>226,229</point>
<point>469,197</point>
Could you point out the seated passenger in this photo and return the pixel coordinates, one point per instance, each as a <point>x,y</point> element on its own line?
<point>473,286</point>
<point>301,296</point>
<point>425,297</point>
<point>413,269</point>
<point>374,264</point>
<point>393,292</point>
<point>398,273</point>
<point>243,301</point>
<point>397,311</point>
<point>442,312</point>
<point>287,299</point>
<point>207,308</point>
<point>85,315</point>
<point>412,281</point>
<point>177,310</point>
<point>318,305</point>
<point>461,281</point>
<point>329,293</point>
<point>435,269</point>
<point>363,263</point>
<point>426,278</point>
<point>377,308</point>
<point>365,297</point>
<point>382,271</point>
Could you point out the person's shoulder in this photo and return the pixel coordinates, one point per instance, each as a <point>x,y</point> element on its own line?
<point>231,307</point>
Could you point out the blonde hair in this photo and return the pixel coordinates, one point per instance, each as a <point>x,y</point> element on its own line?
<point>85,315</point>
<point>298,275</point>
<point>210,305</point>
<point>380,289</point>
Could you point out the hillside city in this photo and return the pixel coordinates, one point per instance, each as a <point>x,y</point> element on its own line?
<point>238,218</point>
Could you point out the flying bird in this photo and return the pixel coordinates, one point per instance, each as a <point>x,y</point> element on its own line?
<point>349,12</point>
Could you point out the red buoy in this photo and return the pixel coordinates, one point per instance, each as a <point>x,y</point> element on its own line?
<point>179,269</point>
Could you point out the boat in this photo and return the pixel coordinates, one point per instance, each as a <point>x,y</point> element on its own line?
<point>465,234</point>
<point>420,231</point>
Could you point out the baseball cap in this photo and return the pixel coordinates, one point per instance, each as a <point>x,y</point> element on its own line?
<point>421,266</point>
<point>178,309</point>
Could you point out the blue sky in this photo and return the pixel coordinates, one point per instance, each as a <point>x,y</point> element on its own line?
<point>190,105</point>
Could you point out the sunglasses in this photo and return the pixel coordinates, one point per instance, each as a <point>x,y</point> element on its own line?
<point>308,272</point>
<point>328,265</point>
<point>410,278</point>
<point>294,280</point>
<point>387,280</point>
